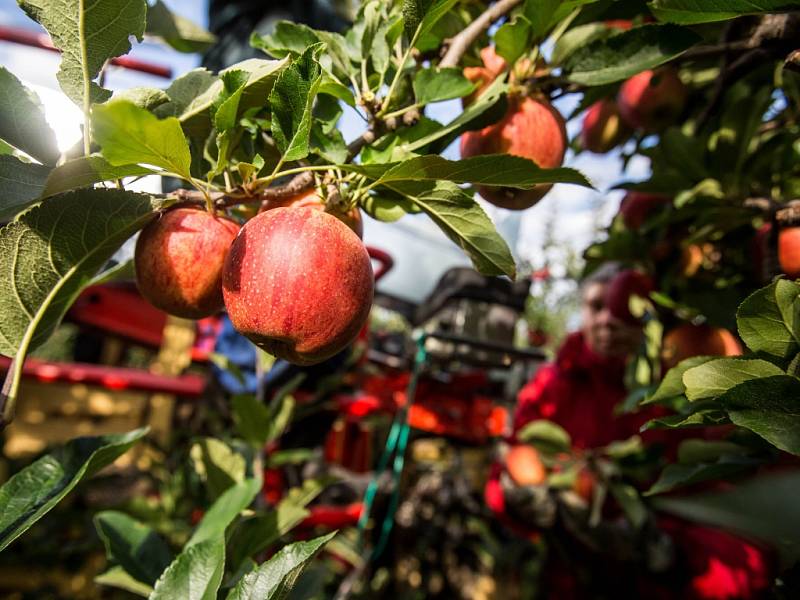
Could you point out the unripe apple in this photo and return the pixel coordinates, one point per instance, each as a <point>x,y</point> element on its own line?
<point>789,251</point>
<point>652,100</point>
<point>689,340</point>
<point>310,198</point>
<point>636,207</point>
<point>298,282</point>
<point>532,129</point>
<point>603,128</point>
<point>626,284</point>
<point>179,258</point>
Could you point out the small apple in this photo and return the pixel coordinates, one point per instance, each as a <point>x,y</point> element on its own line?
<point>525,466</point>
<point>636,207</point>
<point>689,340</point>
<point>626,284</point>
<point>178,261</point>
<point>298,282</point>
<point>532,129</point>
<point>310,198</point>
<point>603,128</point>
<point>652,100</point>
<point>789,251</point>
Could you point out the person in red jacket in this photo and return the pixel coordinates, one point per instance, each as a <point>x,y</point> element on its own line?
<point>581,388</point>
<point>580,391</point>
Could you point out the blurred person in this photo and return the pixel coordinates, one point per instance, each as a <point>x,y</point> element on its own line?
<point>584,384</point>
<point>580,391</point>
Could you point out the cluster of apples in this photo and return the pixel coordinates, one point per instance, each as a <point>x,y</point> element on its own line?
<point>649,101</point>
<point>295,279</point>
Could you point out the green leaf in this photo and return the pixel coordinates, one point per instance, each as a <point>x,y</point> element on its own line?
<point>761,324</point>
<point>128,134</point>
<point>22,184</point>
<point>435,85</point>
<point>22,122</point>
<point>195,574</point>
<point>286,38</point>
<point>218,465</point>
<point>677,476</point>
<point>546,436</point>
<point>291,100</point>
<point>690,12</point>
<point>226,107</point>
<point>770,407</point>
<point>672,384</point>
<point>281,410</point>
<point>434,11</point>
<point>503,170</point>
<point>226,508</point>
<point>787,297</point>
<point>578,37</point>
<point>143,97</point>
<point>180,33</point>
<point>465,119</point>
<point>764,508</point>
<point>276,577</point>
<point>705,418</point>
<point>36,489</point>
<point>462,219</point>
<point>371,13</point>
<point>88,32</point>
<point>512,40</point>
<point>85,171</point>
<point>540,15</point>
<point>50,253</point>
<point>134,546</point>
<point>716,377</point>
<point>424,14</point>
<point>631,503</point>
<point>252,419</point>
<point>192,96</point>
<point>621,56</point>
<point>256,534</point>
<point>119,578</point>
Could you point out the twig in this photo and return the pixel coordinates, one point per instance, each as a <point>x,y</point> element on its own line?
<point>459,44</point>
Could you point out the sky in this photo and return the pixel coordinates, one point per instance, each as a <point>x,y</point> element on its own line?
<point>422,253</point>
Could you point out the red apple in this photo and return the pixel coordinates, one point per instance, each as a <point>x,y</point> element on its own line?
<point>689,340</point>
<point>179,258</point>
<point>652,100</point>
<point>603,129</point>
<point>310,198</point>
<point>525,466</point>
<point>618,296</point>
<point>532,129</point>
<point>789,251</point>
<point>298,282</point>
<point>636,207</point>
